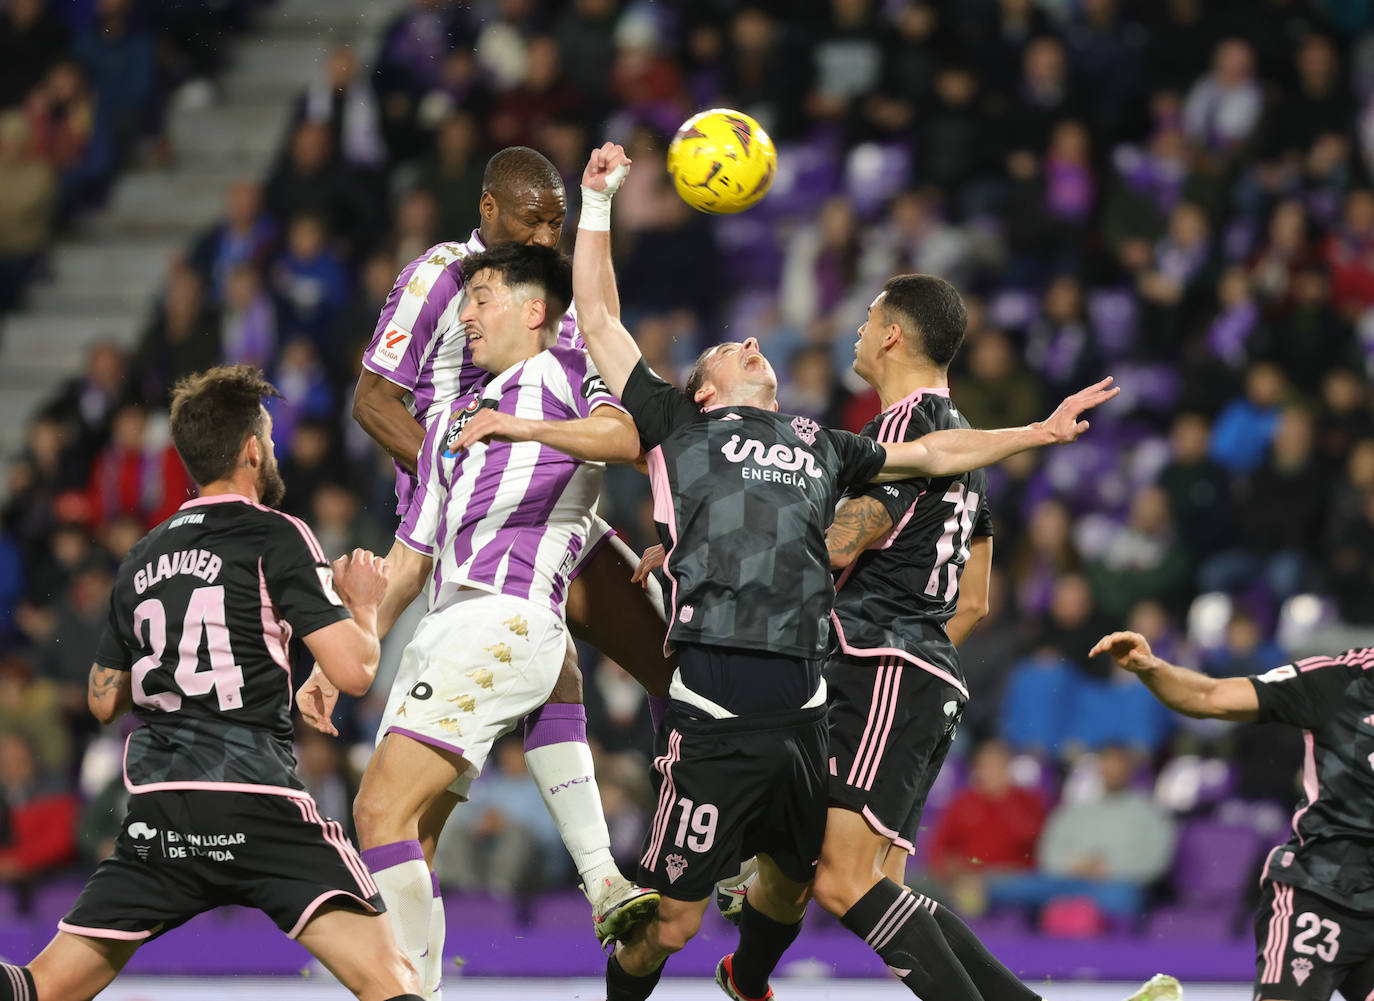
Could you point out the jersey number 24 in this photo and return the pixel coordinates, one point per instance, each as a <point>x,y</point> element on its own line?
<point>204,619</point>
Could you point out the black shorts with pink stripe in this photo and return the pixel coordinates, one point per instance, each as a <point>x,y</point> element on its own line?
<point>181,853</point>
<point>891,726</point>
<point>1308,947</point>
<point>729,789</point>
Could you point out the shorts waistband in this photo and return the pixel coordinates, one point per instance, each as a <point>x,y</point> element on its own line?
<point>789,719</point>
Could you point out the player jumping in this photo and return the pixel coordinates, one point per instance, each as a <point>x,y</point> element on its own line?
<point>742,496</point>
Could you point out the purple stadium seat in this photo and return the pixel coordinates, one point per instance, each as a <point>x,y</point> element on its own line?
<point>1213,862</point>
<point>1191,924</point>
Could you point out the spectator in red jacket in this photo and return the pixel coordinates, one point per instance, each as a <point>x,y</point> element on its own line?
<point>135,475</point>
<point>37,822</point>
<point>991,825</point>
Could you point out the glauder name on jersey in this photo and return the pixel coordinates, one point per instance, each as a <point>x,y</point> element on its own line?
<point>771,464</point>
<point>197,562</point>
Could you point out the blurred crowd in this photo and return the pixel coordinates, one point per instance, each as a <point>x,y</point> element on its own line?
<point>1174,192</point>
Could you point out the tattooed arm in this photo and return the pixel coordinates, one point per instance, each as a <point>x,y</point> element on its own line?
<point>109,693</point>
<point>859,522</point>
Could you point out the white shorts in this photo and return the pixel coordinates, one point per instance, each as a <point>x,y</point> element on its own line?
<point>598,535</point>
<point>476,665</point>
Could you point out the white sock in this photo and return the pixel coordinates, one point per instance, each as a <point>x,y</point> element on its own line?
<point>562,769</point>
<point>400,872</point>
<point>432,977</point>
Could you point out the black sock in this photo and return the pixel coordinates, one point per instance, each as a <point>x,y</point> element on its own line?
<point>993,980</point>
<point>16,983</point>
<point>622,986</point>
<point>898,925</point>
<point>762,941</point>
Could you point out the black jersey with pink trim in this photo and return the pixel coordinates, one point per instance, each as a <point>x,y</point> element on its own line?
<point>895,599</point>
<point>742,498</point>
<point>202,614</point>
<point>1331,852</point>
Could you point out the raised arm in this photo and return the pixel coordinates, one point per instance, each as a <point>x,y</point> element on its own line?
<point>379,408</point>
<point>1182,690</point>
<point>949,453</point>
<point>608,435</point>
<point>613,350</point>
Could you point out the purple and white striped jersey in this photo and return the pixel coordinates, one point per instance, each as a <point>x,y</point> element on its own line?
<point>420,344</point>
<point>510,518</point>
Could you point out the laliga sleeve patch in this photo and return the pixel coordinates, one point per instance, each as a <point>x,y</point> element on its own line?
<point>1284,673</point>
<point>391,349</point>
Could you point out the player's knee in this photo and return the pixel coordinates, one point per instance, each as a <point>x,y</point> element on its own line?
<point>370,817</point>
<point>835,889</point>
<point>673,933</point>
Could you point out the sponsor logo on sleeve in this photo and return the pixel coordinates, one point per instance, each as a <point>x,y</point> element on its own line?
<point>391,349</point>
<point>594,386</point>
<point>327,585</point>
<point>1283,673</point>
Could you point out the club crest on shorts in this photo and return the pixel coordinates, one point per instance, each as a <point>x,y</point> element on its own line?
<point>481,677</point>
<point>465,703</point>
<point>501,652</point>
<point>1302,969</point>
<point>675,865</point>
<point>518,625</point>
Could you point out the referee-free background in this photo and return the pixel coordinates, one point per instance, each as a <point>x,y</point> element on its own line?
<point>1174,193</point>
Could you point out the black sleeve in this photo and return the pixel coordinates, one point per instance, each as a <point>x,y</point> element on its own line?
<point>658,408</point>
<point>299,579</point>
<point>1304,694</point>
<point>898,496</point>
<point>111,653</point>
<point>860,459</point>
<point>982,522</point>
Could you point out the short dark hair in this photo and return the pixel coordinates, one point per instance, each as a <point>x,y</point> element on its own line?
<point>698,374</point>
<point>529,264</point>
<point>213,413</point>
<point>931,307</point>
<point>519,168</point>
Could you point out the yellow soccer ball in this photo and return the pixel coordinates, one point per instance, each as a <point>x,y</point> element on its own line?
<point>722,161</point>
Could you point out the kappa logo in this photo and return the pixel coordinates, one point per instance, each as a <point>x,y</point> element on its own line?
<point>418,289</point>
<point>806,429</point>
<point>518,626</point>
<point>1302,969</point>
<point>783,457</point>
<point>450,725</point>
<point>465,703</point>
<point>501,652</point>
<point>675,865</point>
<point>481,677</point>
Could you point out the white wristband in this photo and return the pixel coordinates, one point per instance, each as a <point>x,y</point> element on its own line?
<point>596,205</point>
<point>596,210</point>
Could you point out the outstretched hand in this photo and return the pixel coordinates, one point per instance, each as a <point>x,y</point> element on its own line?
<point>1130,650</point>
<point>600,174</point>
<point>1064,425</point>
<point>490,425</point>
